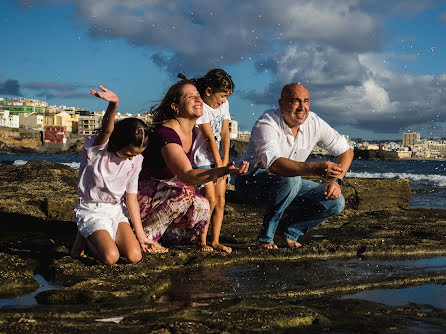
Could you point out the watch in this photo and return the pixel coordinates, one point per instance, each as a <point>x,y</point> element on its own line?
<point>338,181</point>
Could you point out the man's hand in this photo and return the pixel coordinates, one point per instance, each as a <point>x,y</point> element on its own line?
<point>330,169</point>
<point>332,190</point>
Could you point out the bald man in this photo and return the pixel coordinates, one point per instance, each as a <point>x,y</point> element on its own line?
<point>281,141</point>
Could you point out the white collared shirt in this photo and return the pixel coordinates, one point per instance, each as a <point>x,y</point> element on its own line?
<point>271,138</point>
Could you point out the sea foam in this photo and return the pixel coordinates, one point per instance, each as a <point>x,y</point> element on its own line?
<point>437,180</point>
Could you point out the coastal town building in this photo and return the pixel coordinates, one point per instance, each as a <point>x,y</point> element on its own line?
<point>55,134</point>
<point>69,121</point>
<point>409,138</point>
<point>8,120</point>
<point>233,128</point>
<point>88,125</point>
<point>31,121</point>
<point>244,135</point>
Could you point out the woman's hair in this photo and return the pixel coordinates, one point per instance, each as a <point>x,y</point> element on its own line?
<point>163,112</point>
<point>128,132</point>
<point>217,79</point>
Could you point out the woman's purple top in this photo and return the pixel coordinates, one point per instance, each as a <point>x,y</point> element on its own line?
<point>153,164</point>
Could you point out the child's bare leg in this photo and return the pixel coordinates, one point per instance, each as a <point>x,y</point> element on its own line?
<point>217,216</point>
<point>202,242</point>
<point>127,243</point>
<point>103,247</point>
<point>77,251</point>
<point>209,192</point>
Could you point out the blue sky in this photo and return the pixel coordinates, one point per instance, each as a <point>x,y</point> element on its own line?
<point>374,69</point>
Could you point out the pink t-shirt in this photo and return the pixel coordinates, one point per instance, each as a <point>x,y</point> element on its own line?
<point>103,176</point>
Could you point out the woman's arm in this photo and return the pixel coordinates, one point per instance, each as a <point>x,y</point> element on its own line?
<point>177,161</point>
<point>209,135</point>
<point>108,121</point>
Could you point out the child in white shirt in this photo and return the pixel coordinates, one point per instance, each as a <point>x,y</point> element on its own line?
<point>212,138</point>
<point>110,166</point>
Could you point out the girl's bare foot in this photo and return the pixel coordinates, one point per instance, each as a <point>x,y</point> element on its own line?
<point>77,251</point>
<point>154,248</point>
<point>266,245</point>
<point>221,248</point>
<point>204,247</point>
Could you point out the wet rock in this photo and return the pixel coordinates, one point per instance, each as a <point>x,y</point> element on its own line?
<point>16,276</point>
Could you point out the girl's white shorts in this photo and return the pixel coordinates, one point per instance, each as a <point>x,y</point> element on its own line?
<point>94,216</point>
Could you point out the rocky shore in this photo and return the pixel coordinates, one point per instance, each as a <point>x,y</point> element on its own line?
<point>186,291</point>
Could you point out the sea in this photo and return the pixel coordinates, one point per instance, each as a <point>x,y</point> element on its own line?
<point>427,177</point>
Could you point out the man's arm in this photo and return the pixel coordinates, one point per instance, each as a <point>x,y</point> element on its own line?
<point>332,188</point>
<point>288,168</point>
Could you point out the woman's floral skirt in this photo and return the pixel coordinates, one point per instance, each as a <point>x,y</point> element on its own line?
<point>171,209</point>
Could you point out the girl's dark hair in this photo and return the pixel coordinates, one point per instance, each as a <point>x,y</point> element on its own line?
<point>217,79</point>
<point>163,112</point>
<point>128,132</point>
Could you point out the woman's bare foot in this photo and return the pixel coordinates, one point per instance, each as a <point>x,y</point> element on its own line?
<point>266,245</point>
<point>222,248</point>
<point>204,247</point>
<point>153,248</point>
<point>77,251</point>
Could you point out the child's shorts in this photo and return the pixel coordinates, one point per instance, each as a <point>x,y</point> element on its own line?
<point>94,216</point>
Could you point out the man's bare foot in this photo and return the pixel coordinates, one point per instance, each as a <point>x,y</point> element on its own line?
<point>266,245</point>
<point>154,248</point>
<point>222,248</point>
<point>289,243</point>
<point>292,244</point>
<point>204,247</point>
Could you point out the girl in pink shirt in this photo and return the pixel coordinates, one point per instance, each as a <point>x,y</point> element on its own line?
<point>110,166</point>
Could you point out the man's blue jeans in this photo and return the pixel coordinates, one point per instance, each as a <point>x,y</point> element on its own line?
<point>304,200</point>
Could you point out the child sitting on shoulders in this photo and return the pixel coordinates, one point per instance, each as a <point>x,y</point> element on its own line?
<point>110,166</point>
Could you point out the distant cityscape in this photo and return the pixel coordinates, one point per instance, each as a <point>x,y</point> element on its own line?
<point>57,123</point>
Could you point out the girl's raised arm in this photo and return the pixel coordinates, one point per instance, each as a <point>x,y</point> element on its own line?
<point>108,121</point>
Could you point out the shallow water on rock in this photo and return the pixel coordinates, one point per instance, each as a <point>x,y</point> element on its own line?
<point>28,300</point>
<point>270,278</point>
<point>432,294</point>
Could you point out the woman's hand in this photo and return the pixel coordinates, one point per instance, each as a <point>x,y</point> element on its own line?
<point>231,169</point>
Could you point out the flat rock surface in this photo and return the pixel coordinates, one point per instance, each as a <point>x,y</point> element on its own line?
<point>187,291</point>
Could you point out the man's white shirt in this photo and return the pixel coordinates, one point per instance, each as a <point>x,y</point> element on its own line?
<point>271,138</point>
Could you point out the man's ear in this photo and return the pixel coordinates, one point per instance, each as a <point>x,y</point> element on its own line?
<point>208,91</point>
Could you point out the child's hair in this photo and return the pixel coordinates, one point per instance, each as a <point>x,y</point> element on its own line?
<point>128,132</point>
<point>217,79</point>
<point>164,112</point>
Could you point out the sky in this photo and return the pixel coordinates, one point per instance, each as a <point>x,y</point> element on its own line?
<point>374,69</point>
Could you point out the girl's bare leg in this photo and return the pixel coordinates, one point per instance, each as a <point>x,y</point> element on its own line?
<point>217,216</point>
<point>208,191</point>
<point>78,249</point>
<point>103,247</point>
<point>127,243</point>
